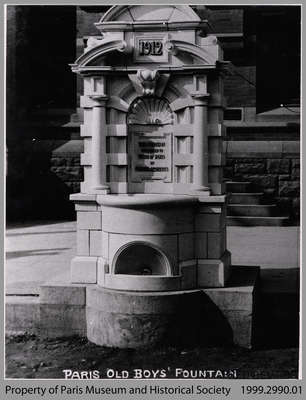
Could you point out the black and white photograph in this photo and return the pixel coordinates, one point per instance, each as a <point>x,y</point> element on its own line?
<point>152,223</point>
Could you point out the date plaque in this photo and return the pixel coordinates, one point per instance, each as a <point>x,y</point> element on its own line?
<point>150,49</point>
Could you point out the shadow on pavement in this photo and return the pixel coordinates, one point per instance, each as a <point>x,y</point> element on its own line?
<point>37,252</point>
<point>28,224</point>
<point>39,233</point>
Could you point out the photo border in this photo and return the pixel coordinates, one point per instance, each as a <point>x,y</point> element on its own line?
<point>234,384</point>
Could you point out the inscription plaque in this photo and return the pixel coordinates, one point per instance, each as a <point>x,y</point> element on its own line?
<point>151,157</point>
<point>150,47</point>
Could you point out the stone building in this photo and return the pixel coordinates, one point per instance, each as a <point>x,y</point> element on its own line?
<point>261,115</point>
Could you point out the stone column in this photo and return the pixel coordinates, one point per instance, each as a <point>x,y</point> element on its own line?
<point>98,146</point>
<point>200,142</point>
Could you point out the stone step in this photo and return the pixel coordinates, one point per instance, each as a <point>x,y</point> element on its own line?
<point>256,221</point>
<point>238,187</point>
<point>246,198</point>
<point>251,210</point>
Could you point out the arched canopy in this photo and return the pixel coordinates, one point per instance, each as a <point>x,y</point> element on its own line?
<point>137,13</point>
<point>99,49</point>
<point>120,26</point>
<point>135,17</point>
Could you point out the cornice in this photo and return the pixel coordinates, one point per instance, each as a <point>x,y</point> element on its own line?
<point>101,70</point>
<point>152,26</point>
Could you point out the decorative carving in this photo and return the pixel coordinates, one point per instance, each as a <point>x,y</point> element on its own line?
<point>150,111</point>
<point>212,40</point>
<point>125,48</point>
<point>170,47</point>
<point>148,79</point>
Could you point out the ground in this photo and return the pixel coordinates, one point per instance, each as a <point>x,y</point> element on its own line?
<point>33,357</point>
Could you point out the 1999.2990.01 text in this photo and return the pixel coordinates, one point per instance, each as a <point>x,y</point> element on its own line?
<point>271,389</point>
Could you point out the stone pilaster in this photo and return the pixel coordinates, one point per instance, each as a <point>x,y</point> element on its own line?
<point>200,145</point>
<point>98,147</point>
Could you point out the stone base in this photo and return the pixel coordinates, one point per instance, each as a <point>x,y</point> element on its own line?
<point>143,283</point>
<point>22,315</point>
<point>214,272</point>
<point>62,310</point>
<point>217,316</point>
<point>126,319</point>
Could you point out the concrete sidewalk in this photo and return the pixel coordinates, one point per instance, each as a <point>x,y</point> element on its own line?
<point>40,252</point>
<point>37,253</point>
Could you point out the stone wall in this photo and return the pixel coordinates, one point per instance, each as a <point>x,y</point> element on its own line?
<point>66,167</point>
<point>239,88</point>
<point>273,167</point>
<point>41,96</point>
<point>40,182</point>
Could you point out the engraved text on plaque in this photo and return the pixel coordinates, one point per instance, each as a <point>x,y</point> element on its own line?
<point>151,157</point>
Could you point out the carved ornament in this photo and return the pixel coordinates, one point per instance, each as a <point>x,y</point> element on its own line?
<point>147,80</point>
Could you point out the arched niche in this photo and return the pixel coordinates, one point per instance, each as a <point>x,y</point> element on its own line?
<point>140,258</point>
<point>122,102</point>
<point>150,140</point>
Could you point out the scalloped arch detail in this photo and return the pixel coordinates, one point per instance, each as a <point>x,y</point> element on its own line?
<point>150,110</point>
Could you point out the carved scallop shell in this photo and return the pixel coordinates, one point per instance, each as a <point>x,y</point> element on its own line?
<point>152,110</point>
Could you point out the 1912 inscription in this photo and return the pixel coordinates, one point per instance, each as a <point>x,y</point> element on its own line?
<point>150,47</point>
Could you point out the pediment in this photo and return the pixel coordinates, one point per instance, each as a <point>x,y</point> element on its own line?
<point>132,36</point>
<point>145,13</point>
